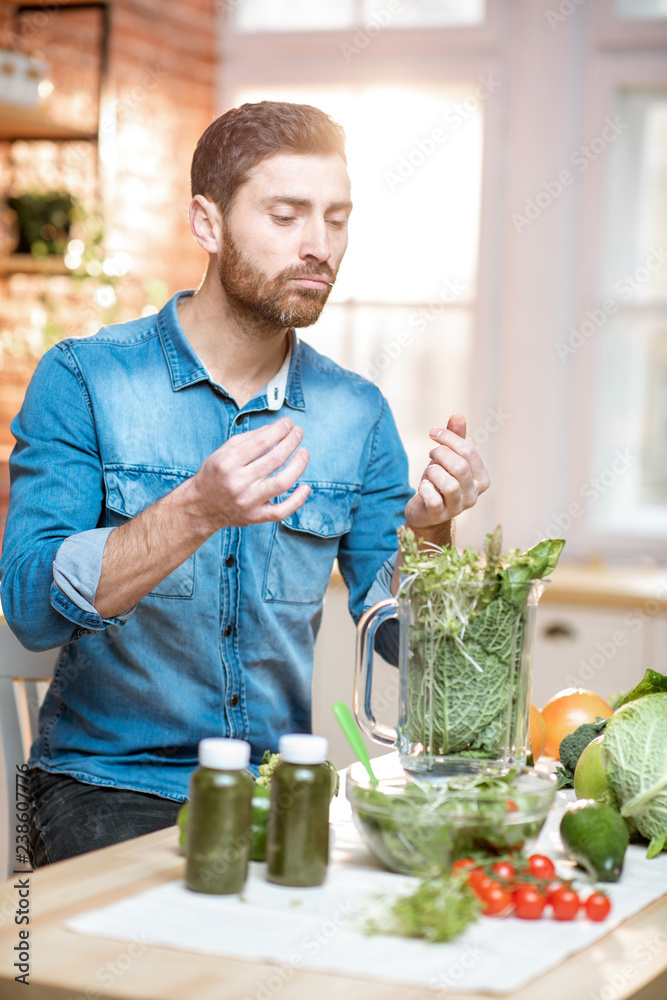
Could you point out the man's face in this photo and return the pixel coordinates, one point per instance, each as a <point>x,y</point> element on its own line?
<point>284,238</point>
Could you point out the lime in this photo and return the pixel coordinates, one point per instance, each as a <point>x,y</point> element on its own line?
<point>590,780</point>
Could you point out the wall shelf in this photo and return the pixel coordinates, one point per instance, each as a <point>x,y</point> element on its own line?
<point>25,263</point>
<point>45,8</point>
<point>17,122</point>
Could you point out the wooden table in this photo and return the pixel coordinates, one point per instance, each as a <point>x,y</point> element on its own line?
<point>69,966</point>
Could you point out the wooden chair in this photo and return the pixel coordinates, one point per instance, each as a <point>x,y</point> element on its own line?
<point>24,680</point>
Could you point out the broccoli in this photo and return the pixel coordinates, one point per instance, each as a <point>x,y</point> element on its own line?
<point>572,747</point>
<point>269,763</point>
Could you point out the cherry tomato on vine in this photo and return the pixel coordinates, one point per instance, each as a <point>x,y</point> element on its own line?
<point>565,903</point>
<point>462,864</point>
<point>482,887</point>
<point>495,899</point>
<point>503,869</point>
<point>529,903</point>
<point>597,906</point>
<point>477,878</point>
<point>553,887</point>
<point>541,866</point>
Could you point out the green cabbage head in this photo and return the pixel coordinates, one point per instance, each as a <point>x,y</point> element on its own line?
<point>635,758</point>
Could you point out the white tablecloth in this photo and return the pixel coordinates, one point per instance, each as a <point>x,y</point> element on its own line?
<point>322,928</point>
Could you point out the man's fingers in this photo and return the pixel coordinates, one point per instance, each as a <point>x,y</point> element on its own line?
<point>279,511</point>
<point>433,500</point>
<point>248,446</point>
<point>450,488</point>
<point>270,461</point>
<point>457,423</point>
<point>450,442</point>
<point>284,480</point>
<point>457,467</point>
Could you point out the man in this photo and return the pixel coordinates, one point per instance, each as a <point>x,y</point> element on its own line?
<point>182,484</point>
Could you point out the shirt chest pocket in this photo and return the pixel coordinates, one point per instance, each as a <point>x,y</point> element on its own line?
<point>129,490</point>
<point>303,546</point>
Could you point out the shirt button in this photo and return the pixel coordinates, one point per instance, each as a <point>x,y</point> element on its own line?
<point>229,561</point>
<point>234,700</point>
<point>228,631</point>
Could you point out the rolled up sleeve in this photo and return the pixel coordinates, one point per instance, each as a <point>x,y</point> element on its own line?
<point>76,574</point>
<point>381,588</point>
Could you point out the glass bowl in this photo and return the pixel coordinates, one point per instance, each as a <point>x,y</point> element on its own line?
<point>421,828</point>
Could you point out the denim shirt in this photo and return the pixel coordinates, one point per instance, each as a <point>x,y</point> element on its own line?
<point>223,646</point>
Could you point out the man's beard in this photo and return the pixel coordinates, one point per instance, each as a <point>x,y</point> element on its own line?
<point>272,299</point>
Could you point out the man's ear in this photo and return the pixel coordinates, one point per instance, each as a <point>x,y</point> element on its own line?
<point>206,224</point>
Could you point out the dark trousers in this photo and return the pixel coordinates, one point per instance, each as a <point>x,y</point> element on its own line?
<point>69,817</point>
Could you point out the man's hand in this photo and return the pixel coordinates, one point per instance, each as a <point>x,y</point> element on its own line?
<point>452,482</point>
<point>234,485</point>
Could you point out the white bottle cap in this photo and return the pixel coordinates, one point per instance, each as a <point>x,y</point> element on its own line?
<point>302,748</point>
<point>224,754</point>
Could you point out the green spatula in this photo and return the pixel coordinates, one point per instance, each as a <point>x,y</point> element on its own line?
<point>353,736</point>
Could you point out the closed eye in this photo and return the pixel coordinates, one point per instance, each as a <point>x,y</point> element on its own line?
<point>283,220</point>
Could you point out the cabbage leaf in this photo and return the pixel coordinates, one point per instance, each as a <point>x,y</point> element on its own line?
<point>469,612</point>
<point>651,683</point>
<point>635,757</point>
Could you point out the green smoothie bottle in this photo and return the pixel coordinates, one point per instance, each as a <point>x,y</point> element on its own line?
<point>297,841</point>
<point>219,818</point>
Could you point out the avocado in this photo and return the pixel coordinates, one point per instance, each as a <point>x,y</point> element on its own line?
<point>596,836</point>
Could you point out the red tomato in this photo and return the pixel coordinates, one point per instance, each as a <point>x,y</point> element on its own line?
<point>495,900</point>
<point>529,903</point>
<point>482,886</point>
<point>597,906</point>
<point>512,807</point>
<point>462,864</point>
<point>477,878</point>
<point>552,888</point>
<point>541,866</point>
<point>565,903</point>
<point>503,869</point>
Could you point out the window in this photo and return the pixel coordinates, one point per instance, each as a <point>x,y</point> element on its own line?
<point>631,395</point>
<point>408,282</point>
<point>446,301</point>
<point>252,16</point>
<point>640,10</point>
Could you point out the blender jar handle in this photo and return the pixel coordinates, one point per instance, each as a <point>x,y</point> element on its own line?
<point>366,629</point>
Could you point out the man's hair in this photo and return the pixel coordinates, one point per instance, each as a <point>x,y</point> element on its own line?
<point>241,138</point>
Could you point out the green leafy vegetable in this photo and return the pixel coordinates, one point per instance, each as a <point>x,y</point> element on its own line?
<point>465,644</point>
<point>438,910</point>
<point>422,829</point>
<point>635,757</point>
<point>651,683</point>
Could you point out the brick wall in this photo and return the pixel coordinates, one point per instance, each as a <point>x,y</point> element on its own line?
<point>162,77</point>
<point>159,97</point>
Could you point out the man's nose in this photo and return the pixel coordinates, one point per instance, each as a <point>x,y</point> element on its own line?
<point>315,242</point>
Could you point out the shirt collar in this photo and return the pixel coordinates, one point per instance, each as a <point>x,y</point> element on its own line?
<point>186,368</point>
<point>184,364</point>
<point>275,388</point>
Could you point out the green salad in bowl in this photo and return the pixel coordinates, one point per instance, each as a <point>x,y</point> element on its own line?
<point>421,828</point>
